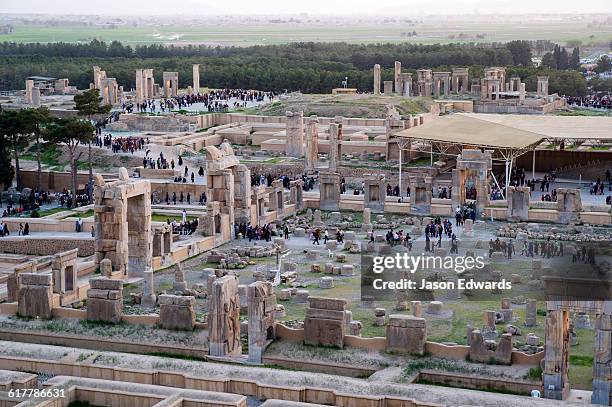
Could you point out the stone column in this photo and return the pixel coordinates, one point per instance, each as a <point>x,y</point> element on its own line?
<point>148,288</point>
<point>261,314</point>
<point>531,312</point>
<point>312,144</point>
<point>196,78</point>
<point>556,355</point>
<point>29,86</point>
<point>377,80</point>
<point>388,88</point>
<point>396,77</point>
<point>335,137</point>
<point>602,375</point>
<point>294,141</point>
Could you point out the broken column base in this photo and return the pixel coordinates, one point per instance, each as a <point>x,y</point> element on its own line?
<point>553,389</point>
<point>602,392</point>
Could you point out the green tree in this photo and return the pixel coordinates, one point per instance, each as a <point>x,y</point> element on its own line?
<point>548,61</point>
<point>11,129</point>
<point>601,85</point>
<point>574,61</point>
<point>73,132</point>
<point>603,65</point>
<point>88,105</point>
<point>563,59</point>
<point>7,171</point>
<point>33,122</point>
<point>521,52</point>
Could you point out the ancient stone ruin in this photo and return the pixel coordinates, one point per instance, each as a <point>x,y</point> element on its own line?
<point>105,300</point>
<point>223,317</point>
<point>326,322</point>
<point>261,313</point>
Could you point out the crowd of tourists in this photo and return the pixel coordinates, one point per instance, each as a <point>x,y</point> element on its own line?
<point>257,232</point>
<point>596,101</point>
<point>121,144</point>
<point>213,101</point>
<point>36,199</point>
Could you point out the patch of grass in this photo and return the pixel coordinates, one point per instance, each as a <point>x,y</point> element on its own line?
<point>47,212</point>
<point>535,373</point>
<point>82,165</point>
<point>584,112</point>
<point>581,360</point>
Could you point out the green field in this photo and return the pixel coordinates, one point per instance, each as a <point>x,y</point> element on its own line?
<point>429,31</point>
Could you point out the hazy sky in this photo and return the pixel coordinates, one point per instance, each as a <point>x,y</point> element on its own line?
<point>403,7</point>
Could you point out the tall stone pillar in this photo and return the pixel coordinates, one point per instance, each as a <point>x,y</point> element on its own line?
<point>312,144</point>
<point>602,375</point>
<point>196,78</point>
<point>542,89</point>
<point>396,77</point>
<point>261,308</point>
<point>556,355</point>
<point>29,87</point>
<point>294,144</point>
<point>335,137</point>
<point>522,92</point>
<point>377,79</point>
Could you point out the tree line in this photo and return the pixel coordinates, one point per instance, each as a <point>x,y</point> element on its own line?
<point>306,67</point>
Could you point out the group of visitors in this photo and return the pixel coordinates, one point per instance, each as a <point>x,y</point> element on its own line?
<point>185,227</point>
<point>213,101</point>
<point>255,232</point>
<point>121,144</point>
<point>596,101</point>
<point>464,212</point>
<point>4,230</point>
<point>395,238</point>
<point>597,187</point>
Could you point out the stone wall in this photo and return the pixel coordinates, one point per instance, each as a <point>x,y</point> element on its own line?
<point>47,247</point>
<point>477,383</point>
<point>246,387</point>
